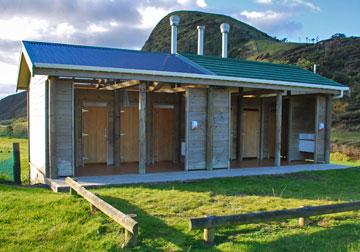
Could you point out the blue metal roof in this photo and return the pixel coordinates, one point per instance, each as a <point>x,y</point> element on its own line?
<point>103,57</point>
<point>78,55</point>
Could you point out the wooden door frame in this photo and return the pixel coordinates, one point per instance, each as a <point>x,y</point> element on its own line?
<point>94,103</point>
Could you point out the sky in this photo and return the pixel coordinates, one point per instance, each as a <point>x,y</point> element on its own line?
<point>128,23</point>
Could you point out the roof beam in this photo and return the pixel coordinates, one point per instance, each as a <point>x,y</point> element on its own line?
<point>180,80</point>
<point>121,85</point>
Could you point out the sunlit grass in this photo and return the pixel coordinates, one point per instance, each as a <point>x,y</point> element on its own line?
<point>39,220</point>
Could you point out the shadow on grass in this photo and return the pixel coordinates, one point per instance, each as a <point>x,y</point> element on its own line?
<point>154,233</point>
<point>313,185</point>
<point>338,238</point>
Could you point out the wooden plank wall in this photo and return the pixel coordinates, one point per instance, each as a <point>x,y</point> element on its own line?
<point>320,118</point>
<point>302,121</point>
<point>221,128</point>
<point>196,110</point>
<point>37,131</point>
<point>64,145</point>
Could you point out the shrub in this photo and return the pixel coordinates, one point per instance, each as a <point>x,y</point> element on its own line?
<point>338,156</point>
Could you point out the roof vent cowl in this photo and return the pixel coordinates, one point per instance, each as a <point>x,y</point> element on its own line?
<point>174,22</point>
<point>201,30</point>
<point>224,28</point>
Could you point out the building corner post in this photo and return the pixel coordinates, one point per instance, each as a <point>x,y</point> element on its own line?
<point>51,131</point>
<point>142,128</point>
<point>278,129</point>
<point>329,100</point>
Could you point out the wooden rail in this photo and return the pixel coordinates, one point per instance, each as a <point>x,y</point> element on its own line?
<point>209,223</point>
<point>130,225</point>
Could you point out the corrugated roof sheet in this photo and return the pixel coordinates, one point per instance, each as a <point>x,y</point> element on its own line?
<point>103,57</point>
<point>259,70</point>
<point>64,54</point>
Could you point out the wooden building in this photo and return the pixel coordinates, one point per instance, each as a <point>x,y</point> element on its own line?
<point>103,111</point>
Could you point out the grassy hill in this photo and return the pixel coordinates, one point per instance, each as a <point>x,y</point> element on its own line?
<point>338,58</point>
<point>13,106</point>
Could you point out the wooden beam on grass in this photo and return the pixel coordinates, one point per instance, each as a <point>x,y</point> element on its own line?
<point>130,225</point>
<point>209,223</point>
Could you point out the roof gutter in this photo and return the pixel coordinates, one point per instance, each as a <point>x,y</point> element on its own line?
<point>44,66</point>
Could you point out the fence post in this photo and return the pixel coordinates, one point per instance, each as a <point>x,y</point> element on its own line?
<point>302,220</point>
<point>16,163</point>
<point>209,236</point>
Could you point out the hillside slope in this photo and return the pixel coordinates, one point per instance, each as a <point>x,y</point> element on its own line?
<point>240,33</point>
<point>13,106</point>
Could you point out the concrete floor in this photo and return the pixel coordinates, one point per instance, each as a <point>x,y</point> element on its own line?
<point>178,176</point>
<point>167,166</point>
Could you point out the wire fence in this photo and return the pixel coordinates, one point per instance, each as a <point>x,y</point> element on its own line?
<point>10,164</point>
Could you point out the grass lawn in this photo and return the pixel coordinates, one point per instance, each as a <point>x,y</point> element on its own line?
<point>39,220</point>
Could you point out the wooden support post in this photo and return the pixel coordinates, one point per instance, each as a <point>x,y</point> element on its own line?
<point>72,191</point>
<point>301,221</point>
<point>262,128</point>
<point>142,128</point>
<point>149,129</point>
<point>117,128</point>
<point>52,127</point>
<point>278,129</point>
<point>328,128</point>
<point>16,164</point>
<point>290,128</point>
<point>239,126</point>
<point>130,238</point>
<point>209,236</point>
<point>316,128</point>
<point>209,129</point>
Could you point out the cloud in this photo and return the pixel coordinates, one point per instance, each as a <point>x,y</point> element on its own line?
<point>6,89</point>
<point>263,1</point>
<point>201,3</point>
<point>300,5</point>
<point>270,21</point>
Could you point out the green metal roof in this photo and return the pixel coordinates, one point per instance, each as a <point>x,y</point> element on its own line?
<point>259,70</point>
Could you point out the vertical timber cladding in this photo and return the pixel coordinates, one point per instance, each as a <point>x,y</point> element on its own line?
<point>63,134</point>
<point>221,127</point>
<point>302,112</point>
<point>85,96</point>
<point>320,129</point>
<point>196,128</point>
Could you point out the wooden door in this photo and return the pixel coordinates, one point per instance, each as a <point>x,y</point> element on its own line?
<point>163,130</point>
<point>95,134</point>
<point>251,133</point>
<point>129,131</point>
